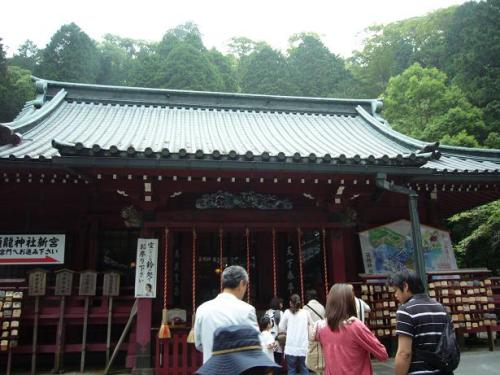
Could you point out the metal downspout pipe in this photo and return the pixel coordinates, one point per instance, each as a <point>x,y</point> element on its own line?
<point>418,253</point>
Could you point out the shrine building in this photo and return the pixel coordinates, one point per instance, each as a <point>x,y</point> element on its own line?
<point>280,185</point>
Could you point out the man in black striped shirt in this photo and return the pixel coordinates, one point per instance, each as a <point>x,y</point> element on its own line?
<point>420,322</point>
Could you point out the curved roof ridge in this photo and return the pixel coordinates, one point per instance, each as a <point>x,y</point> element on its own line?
<point>194,92</point>
<point>27,110</point>
<point>27,122</point>
<point>11,132</point>
<point>206,99</point>
<point>396,136</point>
<point>464,152</point>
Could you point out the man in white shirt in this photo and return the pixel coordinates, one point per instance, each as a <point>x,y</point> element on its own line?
<point>224,310</point>
<point>362,307</point>
<point>314,307</point>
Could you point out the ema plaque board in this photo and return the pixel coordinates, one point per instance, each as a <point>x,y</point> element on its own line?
<point>88,280</point>
<point>64,282</point>
<point>111,285</point>
<point>37,282</point>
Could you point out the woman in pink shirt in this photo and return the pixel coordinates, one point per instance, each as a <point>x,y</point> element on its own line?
<point>347,345</point>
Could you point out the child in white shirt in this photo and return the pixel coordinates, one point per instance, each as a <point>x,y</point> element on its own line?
<point>267,339</point>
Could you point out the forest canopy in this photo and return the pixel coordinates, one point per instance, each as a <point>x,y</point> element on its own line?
<point>438,74</point>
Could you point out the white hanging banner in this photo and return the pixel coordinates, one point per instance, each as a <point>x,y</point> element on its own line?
<point>145,268</point>
<point>32,249</point>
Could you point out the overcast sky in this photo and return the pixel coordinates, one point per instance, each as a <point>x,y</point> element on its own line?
<point>339,22</point>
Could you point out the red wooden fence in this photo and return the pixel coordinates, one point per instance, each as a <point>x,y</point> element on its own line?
<point>73,321</point>
<point>175,356</point>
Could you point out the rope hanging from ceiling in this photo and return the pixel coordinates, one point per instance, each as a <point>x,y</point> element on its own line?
<point>164,331</point>
<point>275,286</point>
<point>191,335</point>
<point>247,234</point>
<point>301,260</point>
<point>325,265</point>
<point>221,247</point>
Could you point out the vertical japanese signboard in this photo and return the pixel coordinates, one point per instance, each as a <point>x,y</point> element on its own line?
<point>111,284</point>
<point>37,282</point>
<point>32,249</point>
<point>64,282</point>
<point>87,285</point>
<point>145,271</point>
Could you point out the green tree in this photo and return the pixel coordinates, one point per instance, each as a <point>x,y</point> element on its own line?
<point>189,69</point>
<point>476,234</point>
<point>70,56</point>
<point>473,42</point>
<point>27,56</point>
<point>3,63</point>
<point>314,70</point>
<point>420,103</point>
<point>389,49</point>
<point>226,67</point>
<point>241,46</point>
<point>265,71</point>
<point>117,57</point>
<point>21,89</point>
<point>187,33</point>
<point>181,61</point>
<point>462,139</point>
<point>16,89</point>
<point>146,69</point>
<point>473,48</point>
<point>492,121</point>
<point>493,140</point>
<point>4,86</point>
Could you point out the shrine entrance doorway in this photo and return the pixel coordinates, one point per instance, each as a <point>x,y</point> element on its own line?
<point>276,263</point>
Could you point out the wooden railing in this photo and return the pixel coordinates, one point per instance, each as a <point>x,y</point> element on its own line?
<point>73,322</point>
<point>175,356</point>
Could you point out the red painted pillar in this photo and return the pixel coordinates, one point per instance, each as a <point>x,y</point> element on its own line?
<point>337,261</point>
<point>143,338</point>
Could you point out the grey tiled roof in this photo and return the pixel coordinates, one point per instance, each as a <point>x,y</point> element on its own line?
<point>105,121</point>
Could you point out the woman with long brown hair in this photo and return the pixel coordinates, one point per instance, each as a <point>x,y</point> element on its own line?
<point>347,343</point>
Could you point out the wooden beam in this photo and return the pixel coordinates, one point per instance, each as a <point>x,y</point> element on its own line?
<point>240,225</point>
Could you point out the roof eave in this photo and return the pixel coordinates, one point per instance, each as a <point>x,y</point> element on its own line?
<point>413,174</point>
<point>79,161</point>
<point>480,154</point>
